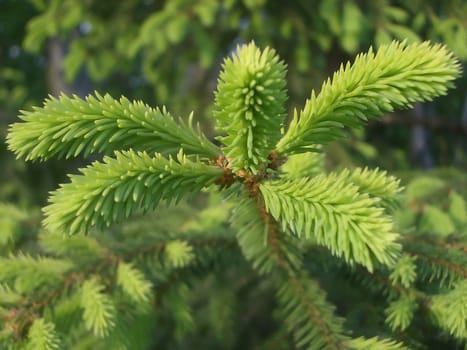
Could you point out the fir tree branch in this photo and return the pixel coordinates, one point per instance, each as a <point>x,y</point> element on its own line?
<point>399,292</point>
<point>450,310</point>
<point>307,164</point>
<point>377,184</point>
<point>259,239</point>
<point>379,281</point>
<point>395,77</point>
<point>308,316</point>
<point>10,223</point>
<point>96,287</point>
<point>86,249</point>
<point>400,312</point>
<point>203,247</point>
<point>28,273</point>
<point>332,213</point>
<point>451,242</point>
<point>62,305</point>
<point>436,260</point>
<point>250,105</point>
<point>9,296</point>
<point>120,186</point>
<point>68,126</point>
<point>133,283</point>
<point>63,298</point>
<point>403,300</point>
<point>374,343</point>
<point>404,272</point>
<point>179,253</point>
<point>98,308</point>
<point>302,303</point>
<point>42,336</point>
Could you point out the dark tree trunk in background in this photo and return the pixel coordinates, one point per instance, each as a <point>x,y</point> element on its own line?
<point>459,157</point>
<point>55,75</point>
<point>464,115</point>
<point>81,86</point>
<point>420,146</point>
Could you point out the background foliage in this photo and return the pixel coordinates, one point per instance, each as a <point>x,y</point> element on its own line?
<point>169,52</point>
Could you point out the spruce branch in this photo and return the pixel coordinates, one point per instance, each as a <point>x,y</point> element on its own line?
<point>189,250</point>
<point>307,164</point>
<point>331,212</point>
<point>133,283</point>
<point>397,76</point>
<point>42,336</point>
<point>374,343</point>
<point>376,282</point>
<point>223,311</point>
<point>118,187</point>
<point>27,273</point>
<point>8,296</point>
<point>10,223</point>
<point>260,240</point>
<point>179,253</point>
<point>63,300</point>
<point>98,308</point>
<point>58,301</point>
<point>404,271</point>
<point>436,260</point>
<point>377,183</point>
<point>178,303</point>
<point>250,105</point>
<point>277,187</point>
<point>450,310</point>
<point>85,248</point>
<point>309,316</point>
<point>400,313</point>
<point>68,126</point>
<point>63,307</point>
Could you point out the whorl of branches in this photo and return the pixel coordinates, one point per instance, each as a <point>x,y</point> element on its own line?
<point>284,202</point>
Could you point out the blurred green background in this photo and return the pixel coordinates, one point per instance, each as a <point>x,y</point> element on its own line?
<point>170,52</point>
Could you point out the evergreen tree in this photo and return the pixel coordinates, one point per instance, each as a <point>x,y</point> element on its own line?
<point>272,204</point>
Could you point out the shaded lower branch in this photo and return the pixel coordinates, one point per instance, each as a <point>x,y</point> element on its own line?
<point>293,284</point>
<point>20,317</point>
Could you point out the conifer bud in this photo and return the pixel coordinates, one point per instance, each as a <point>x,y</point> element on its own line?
<point>249,105</point>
